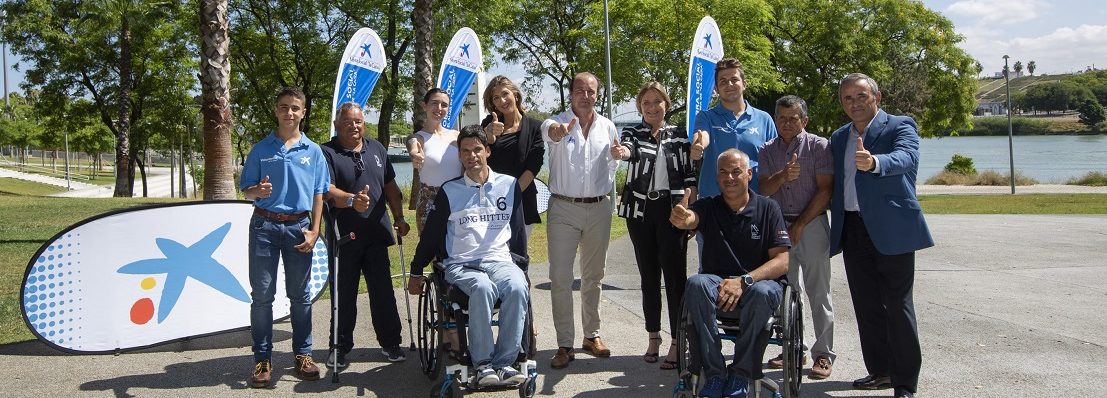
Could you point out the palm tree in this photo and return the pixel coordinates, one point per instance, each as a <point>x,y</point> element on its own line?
<point>422,23</point>
<point>1018,68</point>
<point>1030,66</point>
<point>215,77</point>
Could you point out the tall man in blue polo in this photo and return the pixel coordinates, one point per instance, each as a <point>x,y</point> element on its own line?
<point>732,123</point>
<point>285,175</point>
<point>362,180</point>
<point>797,173</point>
<point>877,225</point>
<point>476,225</point>
<point>745,252</point>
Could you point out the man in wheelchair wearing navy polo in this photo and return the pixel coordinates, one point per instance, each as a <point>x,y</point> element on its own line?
<point>476,228</point>
<point>745,251</point>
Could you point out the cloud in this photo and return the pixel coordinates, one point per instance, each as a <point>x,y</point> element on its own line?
<point>1004,12</point>
<point>1063,50</point>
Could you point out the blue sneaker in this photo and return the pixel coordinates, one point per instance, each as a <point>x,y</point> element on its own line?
<point>736,387</point>
<point>713,387</point>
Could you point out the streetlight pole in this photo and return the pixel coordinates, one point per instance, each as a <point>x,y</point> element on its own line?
<point>1010,130</point>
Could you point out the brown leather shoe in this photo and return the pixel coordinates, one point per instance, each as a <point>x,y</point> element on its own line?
<point>263,373</point>
<point>305,368</point>
<point>778,362</point>
<point>821,369</point>
<point>596,347</point>
<point>562,358</point>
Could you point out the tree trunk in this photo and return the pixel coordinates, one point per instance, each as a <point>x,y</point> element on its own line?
<point>142,171</point>
<point>124,171</point>
<point>423,24</point>
<point>215,75</point>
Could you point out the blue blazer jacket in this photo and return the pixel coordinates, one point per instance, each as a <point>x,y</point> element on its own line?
<point>887,200</point>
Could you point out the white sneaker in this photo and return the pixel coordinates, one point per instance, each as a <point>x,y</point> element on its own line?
<point>487,377</point>
<point>509,375</point>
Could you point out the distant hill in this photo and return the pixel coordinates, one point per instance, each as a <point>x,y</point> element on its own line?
<point>994,90</point>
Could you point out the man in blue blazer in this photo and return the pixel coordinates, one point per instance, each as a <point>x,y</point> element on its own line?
<point>877,225</point>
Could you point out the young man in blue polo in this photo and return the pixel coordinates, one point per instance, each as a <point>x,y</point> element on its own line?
<point>285,175</point>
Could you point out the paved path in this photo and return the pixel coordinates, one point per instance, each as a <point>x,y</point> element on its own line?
<point>157,184</point>
<point>1007,306</point>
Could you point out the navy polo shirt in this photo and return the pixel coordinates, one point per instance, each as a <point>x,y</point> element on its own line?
<point>373,227</point>
<point>751,233</point>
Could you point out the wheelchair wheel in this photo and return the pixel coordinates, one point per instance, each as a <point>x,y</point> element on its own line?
<point>792,342</point>
<point>528,334</point>
<point>430,322</point>
<point>688,367</point>
<point>528,388</point>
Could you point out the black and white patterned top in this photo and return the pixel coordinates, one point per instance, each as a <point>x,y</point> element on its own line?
<point>675,149</point>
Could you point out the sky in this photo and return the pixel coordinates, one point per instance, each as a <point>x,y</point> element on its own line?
<point>1061,36</point>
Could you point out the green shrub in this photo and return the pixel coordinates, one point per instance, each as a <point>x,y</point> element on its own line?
<point>1019,126</point>
<point>950,178</point>
<point>1092,179</point>
<point>961,165</point>
<point>994,178</point>
<point>988,177</point>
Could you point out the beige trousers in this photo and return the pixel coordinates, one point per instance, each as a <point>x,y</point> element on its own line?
<point>572,225</point>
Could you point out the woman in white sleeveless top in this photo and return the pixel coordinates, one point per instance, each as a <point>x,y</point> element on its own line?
<point>433,152</point>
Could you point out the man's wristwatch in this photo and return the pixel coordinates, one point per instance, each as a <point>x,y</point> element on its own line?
<point>747,280</point>
<point>350,201</point>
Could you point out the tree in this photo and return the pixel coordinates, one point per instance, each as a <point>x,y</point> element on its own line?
<point>1030,66</point>
<point>909,49</point>
<point>279,44</point>
<point>1018,68</point>
<point>114,52</point>
<point>21,129</point>
<point>215,82</point>
<point>1091,113</point>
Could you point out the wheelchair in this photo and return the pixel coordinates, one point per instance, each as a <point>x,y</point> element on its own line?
<point>444,307</point>
<point>785,328</point>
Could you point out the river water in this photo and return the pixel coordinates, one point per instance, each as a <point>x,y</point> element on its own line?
<point>1048,159</point>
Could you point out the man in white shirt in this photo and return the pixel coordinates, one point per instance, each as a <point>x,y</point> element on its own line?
<point>582,173</point>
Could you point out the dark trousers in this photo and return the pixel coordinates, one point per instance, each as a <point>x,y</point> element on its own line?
<point>661,249</point>
<point>353,262</point>
<point>881,288</point>
<point>757,304</point>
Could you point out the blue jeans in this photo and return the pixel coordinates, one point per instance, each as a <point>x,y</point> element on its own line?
<point>485,283</point>
<point>269,241</point>
<point>757,304</point>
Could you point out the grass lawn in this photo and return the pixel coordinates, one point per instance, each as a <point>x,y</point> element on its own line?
<point>27,222</point>
<point>1015,204</point>
<point>12,186</point>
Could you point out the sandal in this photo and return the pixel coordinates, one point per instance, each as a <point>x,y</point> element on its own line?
<point>668,364</point>
<point>651,357</point>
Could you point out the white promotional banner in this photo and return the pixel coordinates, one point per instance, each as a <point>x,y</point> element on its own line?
<point>362,64</point>
<point>461,64</point>
<point>145,276</point>
<point>707,50</point>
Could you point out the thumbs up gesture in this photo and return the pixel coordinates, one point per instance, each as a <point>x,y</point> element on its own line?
<point>618,151</point>
<point>793,168</point>
<point>264,188</point>
<point>416,153</point>
<point>361,200</point>
<point>700,140</point>
<point>559,131</point>
<point>496,127</point>
<point>863,158</point>
<point>681,217</point>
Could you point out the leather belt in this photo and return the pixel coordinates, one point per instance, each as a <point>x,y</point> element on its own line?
<point>280,216</point>
<point>578,200</point>
<point>655,195</point>
<point>791,219</point>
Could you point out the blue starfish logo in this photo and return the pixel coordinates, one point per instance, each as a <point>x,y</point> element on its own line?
<point>181,263</point>
<point>465,50</point>
<point>707,41</point>
<point>365,48</point>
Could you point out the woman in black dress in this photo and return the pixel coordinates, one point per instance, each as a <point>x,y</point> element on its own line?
<point>515,141</point>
